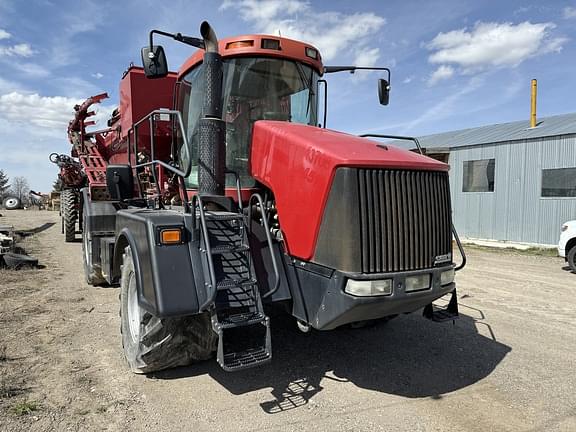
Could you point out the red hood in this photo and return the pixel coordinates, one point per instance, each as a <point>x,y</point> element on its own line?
<point>297,162</point>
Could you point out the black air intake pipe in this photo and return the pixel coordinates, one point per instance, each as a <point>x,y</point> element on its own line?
<point>212,129</point>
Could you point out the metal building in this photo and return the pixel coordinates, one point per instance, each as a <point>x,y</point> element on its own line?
<point>510,182</point>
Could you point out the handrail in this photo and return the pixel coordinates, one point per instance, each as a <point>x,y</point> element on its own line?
<point>398,137</point>
<point>151,118</point>
<point>460,248</point>
<point>210,294</point>
<point>268,239</point>
<point>238,187</point>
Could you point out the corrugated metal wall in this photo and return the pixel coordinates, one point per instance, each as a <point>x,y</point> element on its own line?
<point>514,211</point>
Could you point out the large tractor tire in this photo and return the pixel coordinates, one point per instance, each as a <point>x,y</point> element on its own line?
<point>151,343</point>
<point>92,272</point>
<point>69,203</point>
<point>12,203</point>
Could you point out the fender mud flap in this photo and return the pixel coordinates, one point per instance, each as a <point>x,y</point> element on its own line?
<point>443,314</point>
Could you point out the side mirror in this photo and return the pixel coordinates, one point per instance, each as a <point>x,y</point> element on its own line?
<point>383,91</point>
<point>120,182</point>
<point>154,62</point>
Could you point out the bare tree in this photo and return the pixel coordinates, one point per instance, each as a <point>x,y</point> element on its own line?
<point>20,188</point>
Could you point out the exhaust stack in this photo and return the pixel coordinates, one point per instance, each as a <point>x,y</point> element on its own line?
<point>533,96</point>
<point>212,129</point>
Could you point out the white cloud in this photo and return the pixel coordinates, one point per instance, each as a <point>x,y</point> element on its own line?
<point>333,33</point>
<point>19,50</point>
<point>75,87</point>
<point>265,10</point>
<point>31,69</point>
<point>368,57</point>
<point>7,86</point>
<point>45,120</point>
<point>490,45</point>
<point>43,111</point>
<point>64,48</point>
<point>442,73</point>
<point>4,34</point>
<point>445,107</point>
<point>408,79</point>
<point>569,12</point>
<point>97,75</point>
<point>48,112</point>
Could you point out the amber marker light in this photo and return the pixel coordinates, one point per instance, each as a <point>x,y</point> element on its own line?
<point>240,44</point>
<point>171,236</point>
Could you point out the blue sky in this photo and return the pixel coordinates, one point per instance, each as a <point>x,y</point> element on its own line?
<point>455,63</point>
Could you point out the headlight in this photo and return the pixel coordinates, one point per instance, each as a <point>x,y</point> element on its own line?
<point>564,228</point>
<point>447,277</point>
<point>417,283</point>
<point>368,288</point>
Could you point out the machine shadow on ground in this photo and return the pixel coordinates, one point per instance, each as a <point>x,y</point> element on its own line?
<point>408,356</point>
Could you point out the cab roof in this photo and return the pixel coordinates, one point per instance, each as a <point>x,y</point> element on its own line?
<point>261,46</point>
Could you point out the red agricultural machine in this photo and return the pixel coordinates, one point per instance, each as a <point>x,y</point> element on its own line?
<point>215,193</point>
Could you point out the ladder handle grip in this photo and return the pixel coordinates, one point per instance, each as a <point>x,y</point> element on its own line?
<point>197,200</point>
<point>268,239</point>
<point>460,248</point>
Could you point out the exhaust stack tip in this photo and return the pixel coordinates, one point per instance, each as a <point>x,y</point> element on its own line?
<point>209,36</point>
<point>533,97</point>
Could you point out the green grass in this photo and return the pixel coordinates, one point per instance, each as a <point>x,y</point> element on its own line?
<point>24,407</point>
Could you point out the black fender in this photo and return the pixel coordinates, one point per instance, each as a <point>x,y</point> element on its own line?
<point>124,239</point>
<point>167,276</point>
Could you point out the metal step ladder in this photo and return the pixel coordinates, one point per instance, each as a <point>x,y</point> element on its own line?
<point>237,313</point>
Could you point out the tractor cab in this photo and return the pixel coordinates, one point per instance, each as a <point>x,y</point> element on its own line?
<point>278,82</point>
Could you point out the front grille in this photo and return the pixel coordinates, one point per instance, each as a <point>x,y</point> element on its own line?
<point>405,219</point>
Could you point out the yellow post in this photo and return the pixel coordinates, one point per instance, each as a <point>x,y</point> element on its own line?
<point>533,103</point>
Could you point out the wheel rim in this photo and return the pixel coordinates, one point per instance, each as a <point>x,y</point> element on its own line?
<point>133,310</point>
<point>11,202</point>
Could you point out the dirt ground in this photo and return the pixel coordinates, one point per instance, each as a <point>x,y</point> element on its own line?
<point>506,365</point>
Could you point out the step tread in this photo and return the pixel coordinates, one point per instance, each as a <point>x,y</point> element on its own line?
<point>223,216</point>
<point>247,358</point>
<point>241,319</point>
<point>235,283</point>
<point>222,249</point>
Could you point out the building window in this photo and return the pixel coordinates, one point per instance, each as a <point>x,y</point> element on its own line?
<point>478,176</point>
<point>559,183</point>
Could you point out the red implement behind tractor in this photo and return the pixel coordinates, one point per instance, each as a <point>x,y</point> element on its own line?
<point>215,193</point>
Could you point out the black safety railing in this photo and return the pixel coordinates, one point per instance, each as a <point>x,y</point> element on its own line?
<point>174,120</point>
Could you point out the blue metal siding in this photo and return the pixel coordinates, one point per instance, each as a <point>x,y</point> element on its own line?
<point>515,210</point>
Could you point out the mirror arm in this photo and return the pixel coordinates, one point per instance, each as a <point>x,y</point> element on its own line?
<point>196,42</point>
<point>160,32</point>
<point>352,69</point>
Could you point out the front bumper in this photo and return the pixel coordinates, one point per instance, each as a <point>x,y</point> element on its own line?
<point>329,306</point>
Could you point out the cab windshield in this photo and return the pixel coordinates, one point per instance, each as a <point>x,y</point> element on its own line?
<point>253,89</point>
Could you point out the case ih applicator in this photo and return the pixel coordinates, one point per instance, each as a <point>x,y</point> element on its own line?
<point>215,193</point>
